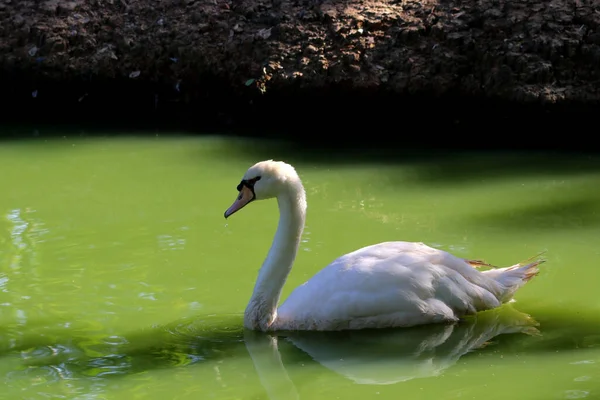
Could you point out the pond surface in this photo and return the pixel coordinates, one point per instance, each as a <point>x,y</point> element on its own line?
<point>120,278</point>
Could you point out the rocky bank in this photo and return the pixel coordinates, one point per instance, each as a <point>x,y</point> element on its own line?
<point>228,61</point>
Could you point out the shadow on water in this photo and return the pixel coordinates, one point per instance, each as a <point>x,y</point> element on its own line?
<point>431,165</point>
<point>569,201</point>
<point>568,328</point>
<point>363,357</point>
<point>574,213</point>
<point>80,350</point>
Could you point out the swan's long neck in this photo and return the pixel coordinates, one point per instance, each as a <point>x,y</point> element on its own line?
<point>261,311</point>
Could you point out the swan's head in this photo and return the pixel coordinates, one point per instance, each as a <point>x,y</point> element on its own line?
<point>264,180</point>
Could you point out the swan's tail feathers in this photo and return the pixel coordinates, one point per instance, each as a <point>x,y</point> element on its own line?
<point>479,263</point>
<point>512,278</point>
<point>536,257</point>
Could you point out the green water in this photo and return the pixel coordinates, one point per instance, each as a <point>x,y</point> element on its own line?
<point>120,278</point>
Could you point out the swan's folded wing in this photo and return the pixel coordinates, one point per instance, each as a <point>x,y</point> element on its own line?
<point>401,283</point>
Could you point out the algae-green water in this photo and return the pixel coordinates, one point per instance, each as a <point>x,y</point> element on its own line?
<point>120,278</point>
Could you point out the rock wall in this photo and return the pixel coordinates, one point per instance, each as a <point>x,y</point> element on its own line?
<point>223,55</point>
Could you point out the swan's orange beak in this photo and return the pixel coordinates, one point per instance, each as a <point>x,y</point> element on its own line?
<point>246,196</point>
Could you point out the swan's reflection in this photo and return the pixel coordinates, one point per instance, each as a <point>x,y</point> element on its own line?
<point>380,357</point>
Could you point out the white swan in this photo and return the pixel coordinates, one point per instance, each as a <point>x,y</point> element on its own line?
<point>391,284</point>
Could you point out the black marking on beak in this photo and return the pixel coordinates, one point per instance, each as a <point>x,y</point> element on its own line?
<point>249,183</point>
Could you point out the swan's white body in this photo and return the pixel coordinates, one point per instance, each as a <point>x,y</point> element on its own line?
<point>391,284</point>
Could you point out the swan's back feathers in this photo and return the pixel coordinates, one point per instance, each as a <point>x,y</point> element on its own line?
<point>394,284</point>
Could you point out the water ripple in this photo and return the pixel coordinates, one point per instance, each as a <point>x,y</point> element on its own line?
<point>171,243</point>
<point>576,394</point>
<point>3,282</point>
